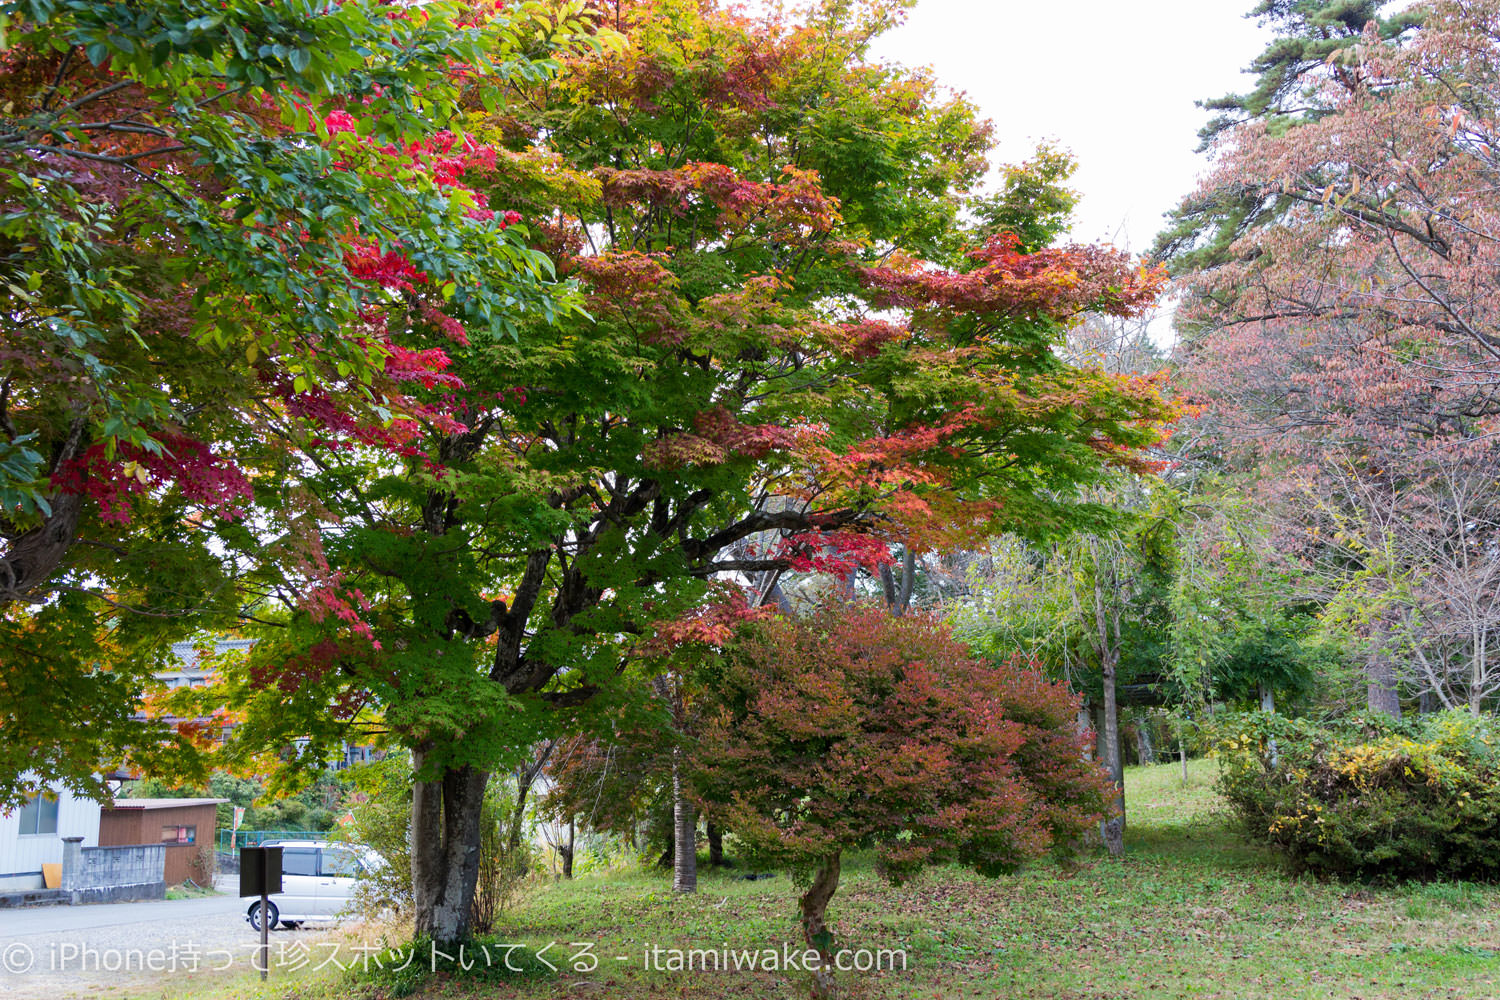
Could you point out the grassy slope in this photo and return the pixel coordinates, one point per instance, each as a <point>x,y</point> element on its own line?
<point>1191,912</point>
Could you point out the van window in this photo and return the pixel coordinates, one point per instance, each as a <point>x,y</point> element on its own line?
<point>299,861</point>
<point>339,862</point>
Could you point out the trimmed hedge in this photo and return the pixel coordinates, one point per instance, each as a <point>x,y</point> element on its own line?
<point>1368,797</point>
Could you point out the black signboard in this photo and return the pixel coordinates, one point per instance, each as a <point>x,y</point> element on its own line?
<point>260,871</point>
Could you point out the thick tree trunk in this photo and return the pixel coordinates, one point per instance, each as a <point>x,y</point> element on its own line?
<point>1381,690</point>
<point>1101,731</point>
<point>30,560</point>
<point>1113,827</point>
<point>815,930</point>
<point>684,838</point>
<point>445,829</point>
<point>715,845</point>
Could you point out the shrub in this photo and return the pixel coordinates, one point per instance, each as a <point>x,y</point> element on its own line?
<point>852,729</point>
<point>1368,797</point>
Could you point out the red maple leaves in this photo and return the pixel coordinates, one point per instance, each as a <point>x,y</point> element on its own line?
<point>113,481</point>
<point>854,728</point>
<point>1053,281</point>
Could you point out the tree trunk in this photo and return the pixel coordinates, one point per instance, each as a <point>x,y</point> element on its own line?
<point>715,845</point>
<point>1478,668</point>
<point>684,838</point>
<point>1268,704</point>
<point>1381,687</point>
<point>445,831</point>
<point>1101,730</point>
<point>30,560</point>
<point>815,930</point>
<point>1182,756</point>
<point>1113,827</point>
<point>1144,749</point>
<point>514,826</point>
<point>1085,724</point>
<point>567,852</point>
<point>898,595</point>
<point>525,778</point>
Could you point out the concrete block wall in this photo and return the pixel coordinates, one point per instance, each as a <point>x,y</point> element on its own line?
<point>112,874</point>
<point>106,866</point>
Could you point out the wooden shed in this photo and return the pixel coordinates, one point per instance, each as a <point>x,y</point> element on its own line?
<point>185,826</point>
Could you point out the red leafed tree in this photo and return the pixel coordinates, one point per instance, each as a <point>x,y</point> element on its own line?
<point>855,729</point>
<point>1350,337</point>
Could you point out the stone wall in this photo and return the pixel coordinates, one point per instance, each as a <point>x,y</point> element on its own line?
<point>113,874</point>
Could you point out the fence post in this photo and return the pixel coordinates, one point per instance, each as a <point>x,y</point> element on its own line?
<point>72,863</point>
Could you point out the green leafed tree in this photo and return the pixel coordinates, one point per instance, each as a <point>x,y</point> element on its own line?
<point>796,347</point>
<point>203,207</point>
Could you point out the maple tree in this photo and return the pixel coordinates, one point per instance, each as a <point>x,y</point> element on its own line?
<point>204,206</point>
<point>855,729</point>
<point>794,349</point>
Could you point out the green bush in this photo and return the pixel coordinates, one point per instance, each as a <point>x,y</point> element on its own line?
<point>1368,797</point>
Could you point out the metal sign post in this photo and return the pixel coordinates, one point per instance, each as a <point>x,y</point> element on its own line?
<point>260,875</point>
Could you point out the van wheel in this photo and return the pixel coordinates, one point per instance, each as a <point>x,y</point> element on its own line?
<point>272,914</point>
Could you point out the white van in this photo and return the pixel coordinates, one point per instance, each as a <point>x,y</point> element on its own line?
<point>317,882</point>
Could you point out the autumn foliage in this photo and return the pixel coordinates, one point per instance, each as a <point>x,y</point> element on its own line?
<point>1343,334</point>
<point>786,332</point>
<point>855,729</point>
<point>858,729</point>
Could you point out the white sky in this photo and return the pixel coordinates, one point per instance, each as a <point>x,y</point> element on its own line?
<point>1112,81</point>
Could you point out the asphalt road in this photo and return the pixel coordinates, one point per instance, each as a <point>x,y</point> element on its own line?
<point>124,949</point>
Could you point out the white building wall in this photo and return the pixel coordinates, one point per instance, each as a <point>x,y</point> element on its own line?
<point>21,858</point>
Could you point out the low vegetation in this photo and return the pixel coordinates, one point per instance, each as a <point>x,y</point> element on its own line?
<point>1370,797</point>
<point>1191,911</point>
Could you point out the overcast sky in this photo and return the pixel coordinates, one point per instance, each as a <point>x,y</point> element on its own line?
<point>1111,81</point>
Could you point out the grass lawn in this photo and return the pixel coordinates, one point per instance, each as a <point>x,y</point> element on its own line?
<point>1190,912</point>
